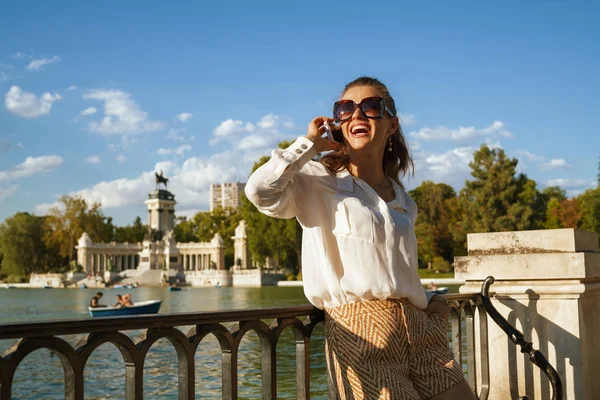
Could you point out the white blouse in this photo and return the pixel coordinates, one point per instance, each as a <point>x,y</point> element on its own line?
<point>355,246</point>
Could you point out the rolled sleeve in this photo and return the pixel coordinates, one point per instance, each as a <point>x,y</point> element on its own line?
<point>270,188</point>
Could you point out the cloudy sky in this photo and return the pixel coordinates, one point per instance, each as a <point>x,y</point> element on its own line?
<point>97,98</point>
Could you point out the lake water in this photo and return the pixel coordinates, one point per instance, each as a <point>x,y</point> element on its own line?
<point>105,370</point>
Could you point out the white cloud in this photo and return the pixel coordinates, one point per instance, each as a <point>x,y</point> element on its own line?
<point>253,142</point>
<point>407,119</point>
<point>189,180</point>
<point>121,158</point>
<point>184,116</point>
<point>179,151</point>
<point>188,213</point>
<point>88,111</point>
<point>37,64</point>
<point>28,105</point>
<point>32,166</point>
<point>230,127</point>
<point>71,88</point>
<point>122,114</point>
<point>8,191</point>
<point>450,167</point>
<point>190,183</point>
<point>258,137</point>
<point>556,163</point>
<point>18,55</point>
<point>529,155</point>
<point>93,160</point>
<point>174,134</point>
<point>269,121</point>
<point>572,183</point>
<point>461,133</point>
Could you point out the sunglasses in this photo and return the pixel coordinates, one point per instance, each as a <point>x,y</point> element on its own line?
<point>370,107</point>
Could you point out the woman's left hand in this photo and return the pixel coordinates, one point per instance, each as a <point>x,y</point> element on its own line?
<point>437,304</point>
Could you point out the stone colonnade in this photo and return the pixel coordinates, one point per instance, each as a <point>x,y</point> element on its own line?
<point>203,256</point>
<point>95,258</point>
<point>548,287</point>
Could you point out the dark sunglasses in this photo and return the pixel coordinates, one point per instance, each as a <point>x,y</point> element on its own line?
<point>371,107</point>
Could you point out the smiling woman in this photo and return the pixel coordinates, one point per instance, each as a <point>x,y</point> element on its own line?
<point>385,337</point>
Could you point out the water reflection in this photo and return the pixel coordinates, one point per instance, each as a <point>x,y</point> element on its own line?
<point>105,371</point>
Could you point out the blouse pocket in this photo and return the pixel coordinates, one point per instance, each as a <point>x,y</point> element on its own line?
<point>353,219</point>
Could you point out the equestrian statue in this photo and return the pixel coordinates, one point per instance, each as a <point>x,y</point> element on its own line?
<point>161,179</point>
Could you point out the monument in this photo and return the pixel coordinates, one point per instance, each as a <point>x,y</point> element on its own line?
<point>160,260</point>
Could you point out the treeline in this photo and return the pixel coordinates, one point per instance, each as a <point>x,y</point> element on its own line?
<point>495,198</point>
<point>40,244</point>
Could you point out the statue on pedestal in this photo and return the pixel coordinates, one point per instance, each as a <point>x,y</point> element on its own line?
<point>161,179</point>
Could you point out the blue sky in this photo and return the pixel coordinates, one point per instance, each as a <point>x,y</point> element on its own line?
<point>97,96</point>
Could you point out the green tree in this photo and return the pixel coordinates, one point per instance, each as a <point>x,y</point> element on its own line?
<point>589,210</point>
<point>496,199</point>
<point>133,233</point>
<point>24,251</point>
<point>184,231</point>
<point>553,196</point>
<point>433,224</point>
<point>65,224</point>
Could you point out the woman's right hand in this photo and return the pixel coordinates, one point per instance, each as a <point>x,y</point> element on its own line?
<point>314,135</point>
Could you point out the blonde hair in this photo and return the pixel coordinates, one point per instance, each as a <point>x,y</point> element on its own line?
<point>397,162</point>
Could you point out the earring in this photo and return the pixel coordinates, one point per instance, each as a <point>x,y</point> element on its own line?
<point>390,145</point>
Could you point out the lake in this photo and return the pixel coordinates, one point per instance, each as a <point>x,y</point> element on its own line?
<point>105,370</point>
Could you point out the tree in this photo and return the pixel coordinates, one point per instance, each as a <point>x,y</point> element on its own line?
<point>65,224</point>
<point>496,199</point>
<point>133,233</point>
<point>184,231</point>
<point>433,224</point>
<point>24,251</point>
<point>589,210</point>
<point>204,225</point>
<point>553,196</point>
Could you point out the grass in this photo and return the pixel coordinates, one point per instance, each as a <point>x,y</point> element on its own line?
<point>426,274</point>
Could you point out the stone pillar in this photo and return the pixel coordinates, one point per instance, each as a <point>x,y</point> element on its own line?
<point>548,287</point>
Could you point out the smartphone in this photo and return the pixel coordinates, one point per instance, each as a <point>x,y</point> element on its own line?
<point>333,135</point>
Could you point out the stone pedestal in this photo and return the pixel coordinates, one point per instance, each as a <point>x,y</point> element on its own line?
<point>548,287</point>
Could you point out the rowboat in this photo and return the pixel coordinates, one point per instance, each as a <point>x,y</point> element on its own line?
<point>140,307</point>
<point>174,289</point>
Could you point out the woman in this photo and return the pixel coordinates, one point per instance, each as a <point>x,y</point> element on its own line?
<point>384,340</point>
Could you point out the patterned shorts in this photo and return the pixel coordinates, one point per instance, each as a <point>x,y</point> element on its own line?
<point>388,349</point>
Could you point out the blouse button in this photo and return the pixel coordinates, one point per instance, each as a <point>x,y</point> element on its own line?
<point>304,146</point>
<point>298,151</point>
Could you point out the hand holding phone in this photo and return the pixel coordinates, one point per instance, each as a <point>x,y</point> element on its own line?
<point>334,136</point>
<point>328,131</point>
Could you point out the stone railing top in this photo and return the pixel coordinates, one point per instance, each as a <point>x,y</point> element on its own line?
<point>532,242</point>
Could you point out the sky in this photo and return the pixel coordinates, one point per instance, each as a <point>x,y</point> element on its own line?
<point>97,96</point>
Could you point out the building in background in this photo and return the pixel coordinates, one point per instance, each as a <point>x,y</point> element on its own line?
<point>226,195</point>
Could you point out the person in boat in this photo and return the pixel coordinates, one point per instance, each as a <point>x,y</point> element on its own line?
<point>432,286</point>
<point>95,302</point>
<point>385,337</point>
<point>127,300</point>
<point>119,302</point>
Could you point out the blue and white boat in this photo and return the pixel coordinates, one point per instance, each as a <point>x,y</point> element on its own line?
<point>140,307</point>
